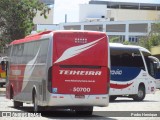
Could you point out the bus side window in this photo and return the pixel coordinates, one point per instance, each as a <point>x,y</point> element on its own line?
<point>25,49</point>
<point>150,66</point>
<point>138,62</point>
<point>151,69</point>
<point>43,51</point>
<point>14,55</point>
<point>127,58</point>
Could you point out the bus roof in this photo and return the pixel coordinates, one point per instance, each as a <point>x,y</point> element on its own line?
<point>30,38</point>
<point>119,45</point>
<point>42,34</point>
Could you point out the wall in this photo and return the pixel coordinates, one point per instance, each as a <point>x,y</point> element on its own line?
<point>126,14</point>
<point>91,11</point>
<point>156,51</point>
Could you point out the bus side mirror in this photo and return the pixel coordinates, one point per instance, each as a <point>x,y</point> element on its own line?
<point>156,61</point>
<point>158,65</point>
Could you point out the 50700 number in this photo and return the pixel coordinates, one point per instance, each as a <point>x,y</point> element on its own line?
<point>81,89</point>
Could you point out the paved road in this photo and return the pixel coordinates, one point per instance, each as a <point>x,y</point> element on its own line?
<point>113,112</point>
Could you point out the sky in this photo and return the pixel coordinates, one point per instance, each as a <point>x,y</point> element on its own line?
<point>71,8</point>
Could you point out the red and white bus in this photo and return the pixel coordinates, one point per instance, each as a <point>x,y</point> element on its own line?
<point>60,69</point>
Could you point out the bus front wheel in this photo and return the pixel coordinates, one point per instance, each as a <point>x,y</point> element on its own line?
<point>36,107</point>
<point>141,94</point>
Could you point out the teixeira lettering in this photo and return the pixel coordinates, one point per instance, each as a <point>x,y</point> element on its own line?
<point>78,72</point>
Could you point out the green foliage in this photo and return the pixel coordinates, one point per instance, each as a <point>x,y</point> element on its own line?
<point>114,39</point>
<point>148,41</point>
<point>16,18</point>
<point>117,40</point>
<point>127,43</point>
<point>153,38</point>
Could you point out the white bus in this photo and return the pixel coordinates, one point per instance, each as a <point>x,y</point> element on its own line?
<point>132,71</point>
<point>66,69</point>
<point>157,76</point>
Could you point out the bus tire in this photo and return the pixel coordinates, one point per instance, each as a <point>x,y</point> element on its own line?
<point>17,104</point>
<point>1,85</point>
<point>36,107</point>
<point>112,98</point>
<point>84,110</point>
<point>11,92</point>
<point>141,93</point>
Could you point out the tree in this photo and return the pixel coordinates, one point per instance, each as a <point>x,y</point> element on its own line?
<point>153,38</point>
<point>16,18</point>
<point>114,39</point>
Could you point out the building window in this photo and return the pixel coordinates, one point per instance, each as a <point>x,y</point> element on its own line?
<point>115,28</point>
<point>142,28</point>
<point>133,39</point>
<point>93,27</point>
<point>72,27</point>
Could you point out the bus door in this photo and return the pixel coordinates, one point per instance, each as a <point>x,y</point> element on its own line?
<point>80,63</point>
<point>153,69</point>
<point>157,78</point>
<point>151,66</point>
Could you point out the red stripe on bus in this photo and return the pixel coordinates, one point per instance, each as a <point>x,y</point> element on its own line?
<point>120,86</point>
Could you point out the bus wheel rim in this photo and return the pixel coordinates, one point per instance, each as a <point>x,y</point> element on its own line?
<point>140,93</point>
<point>35,104</point>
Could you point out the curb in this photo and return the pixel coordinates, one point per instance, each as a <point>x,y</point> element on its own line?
<point>2,93</point>
<point>2,90</point>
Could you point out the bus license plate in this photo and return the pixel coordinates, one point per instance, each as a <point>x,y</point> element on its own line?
<point>80,96</point>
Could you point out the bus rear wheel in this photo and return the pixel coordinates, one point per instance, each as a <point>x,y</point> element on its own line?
<point>84,110</point>
<point>1,85</point>
<point>141,94</point>
<point>17,104</point>
<point>112,98</point>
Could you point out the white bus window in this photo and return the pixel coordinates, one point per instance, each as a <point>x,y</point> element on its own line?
<point>126,58</point>
<point>150,64</point>
<point>43,51</point>
<point>14,55</point>
<point>30,54</point>
<point>24,60</point>
<point>36,47</point>
<point>20,49</point>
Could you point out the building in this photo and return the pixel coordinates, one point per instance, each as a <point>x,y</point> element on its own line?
<point>122,11</point>
<point>124,20</point>
<point>123,30</point>
<point>156,51</point>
